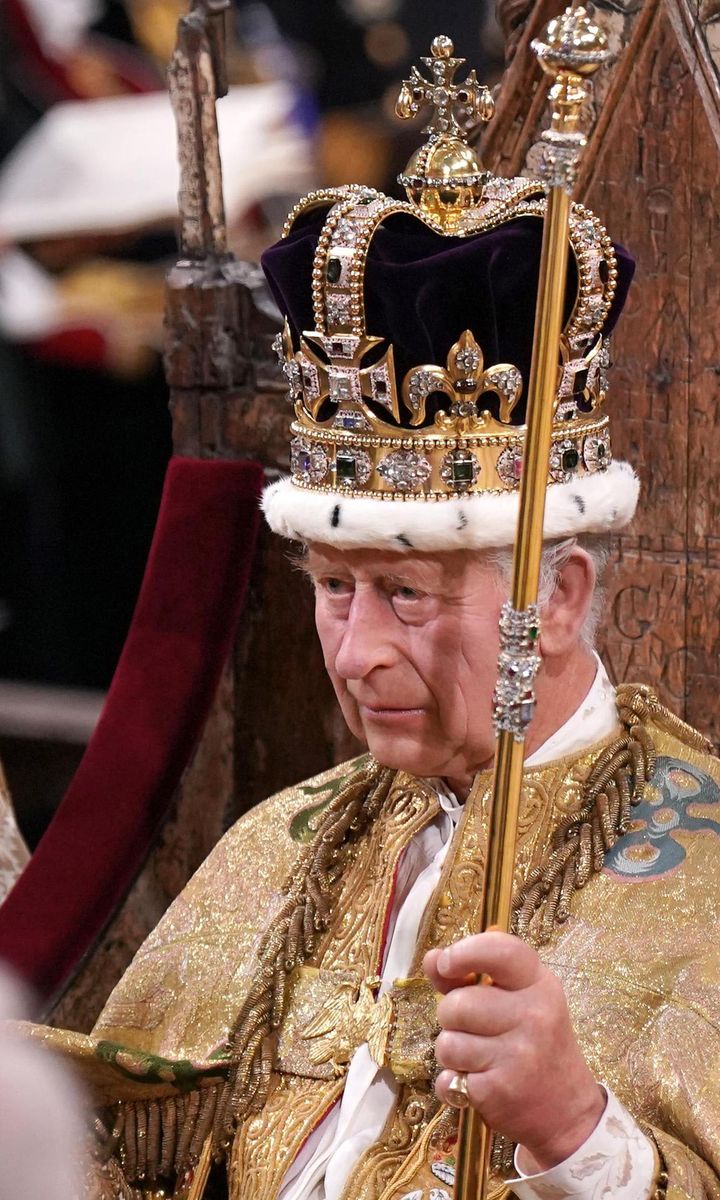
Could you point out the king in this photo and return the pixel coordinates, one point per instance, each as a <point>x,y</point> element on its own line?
<point>309,1016</point>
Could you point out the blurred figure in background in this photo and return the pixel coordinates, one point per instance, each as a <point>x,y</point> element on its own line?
<point>36,1093</point>
<point>84,434</point>
<point>351,54</point>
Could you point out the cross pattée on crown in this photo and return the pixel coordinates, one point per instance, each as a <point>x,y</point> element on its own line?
<point>444,95</point>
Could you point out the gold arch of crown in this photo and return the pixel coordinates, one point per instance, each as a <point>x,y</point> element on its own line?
<point>378,439</point>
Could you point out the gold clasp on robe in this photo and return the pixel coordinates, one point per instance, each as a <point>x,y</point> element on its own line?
<point>330,1014</point>
<point>349,1018</point>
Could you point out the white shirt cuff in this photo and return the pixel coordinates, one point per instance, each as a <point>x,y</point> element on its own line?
<point>617,1160</point>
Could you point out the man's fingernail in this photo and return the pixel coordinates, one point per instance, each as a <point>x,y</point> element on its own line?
<point>443,962</point>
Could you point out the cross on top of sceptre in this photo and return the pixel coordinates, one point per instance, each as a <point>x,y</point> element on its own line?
<point>443,93</point>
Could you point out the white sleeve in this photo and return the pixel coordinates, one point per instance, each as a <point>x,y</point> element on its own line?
<point>616,1160</point>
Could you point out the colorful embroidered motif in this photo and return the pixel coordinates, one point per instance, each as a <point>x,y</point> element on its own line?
<point>152,1068</point>
<point>303,825</point>
<point>651,848</point>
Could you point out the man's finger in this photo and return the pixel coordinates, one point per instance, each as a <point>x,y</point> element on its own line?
<point>465,1052</point>
<point>483,1011</point>
<point>440,982</point>
<point>509,962</point>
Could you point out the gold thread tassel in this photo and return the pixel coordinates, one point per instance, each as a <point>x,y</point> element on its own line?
<point>573,48</point>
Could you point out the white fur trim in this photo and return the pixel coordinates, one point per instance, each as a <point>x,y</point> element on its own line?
<point>603,501</point>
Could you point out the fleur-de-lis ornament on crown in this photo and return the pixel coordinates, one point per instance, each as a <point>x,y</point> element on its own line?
<point>464,380</point>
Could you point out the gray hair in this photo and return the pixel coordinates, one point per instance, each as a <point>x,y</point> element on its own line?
<point>555,555</point>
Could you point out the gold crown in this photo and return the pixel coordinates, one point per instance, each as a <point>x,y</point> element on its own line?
<point>355,431</point>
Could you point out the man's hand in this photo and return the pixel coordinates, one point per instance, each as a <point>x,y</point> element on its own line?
<point>526,1074</point>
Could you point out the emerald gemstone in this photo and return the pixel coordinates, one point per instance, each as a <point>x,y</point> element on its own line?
<point>334,270</point>
<point>462,471</point>
<point>345,467</point>
<point>533,633</point>
<point>570,459</point>
<point>600,450</point>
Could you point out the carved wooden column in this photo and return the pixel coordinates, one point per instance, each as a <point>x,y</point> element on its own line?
<point>650,172</point>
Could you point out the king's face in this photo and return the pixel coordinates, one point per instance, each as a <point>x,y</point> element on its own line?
<point>411,643</point>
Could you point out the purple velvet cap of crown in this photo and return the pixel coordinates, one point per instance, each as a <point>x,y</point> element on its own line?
<point>422,289</point>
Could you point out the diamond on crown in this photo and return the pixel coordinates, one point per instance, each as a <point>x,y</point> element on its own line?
<point>596,453</point>
<point>338,308</point>
<point>308,462</point>
<point>509,466</point>
<point>381,387</point>
<point>564,461</point>
<point>405,470</point>
<point>344,384</point>
<point>508,381</point>
<point>422,385</point>
<point>350,418</point>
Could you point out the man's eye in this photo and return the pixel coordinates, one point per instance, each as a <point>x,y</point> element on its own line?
<point>336,587</point>
<point>407,593</point>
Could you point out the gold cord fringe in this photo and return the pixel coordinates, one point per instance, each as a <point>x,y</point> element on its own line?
<point>157,1140</point>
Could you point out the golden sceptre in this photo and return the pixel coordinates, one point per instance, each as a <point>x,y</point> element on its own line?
<point>573,48</point>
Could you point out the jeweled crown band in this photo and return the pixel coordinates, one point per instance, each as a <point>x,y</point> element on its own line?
<point>436,468</point>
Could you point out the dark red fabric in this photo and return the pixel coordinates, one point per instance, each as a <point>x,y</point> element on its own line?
<point>76,347</point>
<point>181,633</point>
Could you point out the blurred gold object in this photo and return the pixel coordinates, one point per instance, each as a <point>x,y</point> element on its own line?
<point>573,48</point>
<point>154,24</point>
<point>125,300</point>
<point>444,177</point>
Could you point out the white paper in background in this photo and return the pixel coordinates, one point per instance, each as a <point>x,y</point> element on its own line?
<point>29,302</point>
<point>111,165</point>
<point>60,25</point>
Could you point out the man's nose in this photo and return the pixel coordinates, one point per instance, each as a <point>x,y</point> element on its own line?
<point>366,641</point>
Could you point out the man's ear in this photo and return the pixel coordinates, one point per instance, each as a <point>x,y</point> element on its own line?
<point>564,615</point>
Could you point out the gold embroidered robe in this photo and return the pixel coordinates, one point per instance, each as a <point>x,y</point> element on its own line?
<point>638,957</point>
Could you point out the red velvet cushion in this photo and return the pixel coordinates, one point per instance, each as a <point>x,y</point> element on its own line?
<point>179,639</point>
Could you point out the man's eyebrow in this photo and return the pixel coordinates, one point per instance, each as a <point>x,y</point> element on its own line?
<point>312,564</point>
<point>417,583</point>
